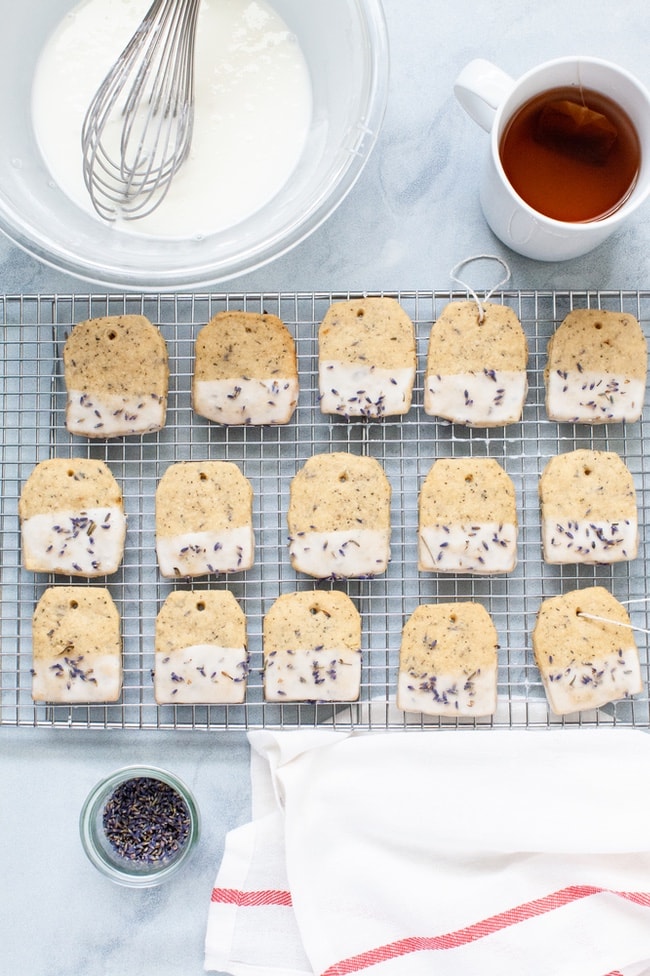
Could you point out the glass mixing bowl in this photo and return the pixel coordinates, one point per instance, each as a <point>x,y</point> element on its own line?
<point>345,45</point>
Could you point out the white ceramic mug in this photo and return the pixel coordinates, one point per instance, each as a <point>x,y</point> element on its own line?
<point>490,97</point>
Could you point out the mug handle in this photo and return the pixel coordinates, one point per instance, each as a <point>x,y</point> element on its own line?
<point>480,88</point>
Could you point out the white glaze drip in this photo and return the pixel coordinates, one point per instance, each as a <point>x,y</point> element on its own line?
<point>575,397</point>
<point>363,391</point>
<point>199,553</point>
<point>77,678</point>
<point>342,553</point>
<point>88,543</point>
<point>484,399</point>
<point>582,686</point>
<point>480,548</point>
<point>589,542</point>
<point>201,673</point>
<point>325,674</point>
<point>246,401</point>
<point>108,415</point>
<point>453,695</point>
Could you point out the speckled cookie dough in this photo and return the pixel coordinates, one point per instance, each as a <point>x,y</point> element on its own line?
<point>448,661</point>
<point>72,518</point>
<point>204,519</point>
<point>588,509</point>
<point>201,654</point>
<point>596,368</point>
<point>116,376</point>
<point>245,370</point>
<point>366,359</point>
<point>77,647</point>
<point>339,517</point>
<point>584,662</point>
<point>476,368</point>
<point>467,518</point>
<point>312,648</point>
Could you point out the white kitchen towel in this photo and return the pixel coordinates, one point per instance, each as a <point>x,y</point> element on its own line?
<point>449,852</point>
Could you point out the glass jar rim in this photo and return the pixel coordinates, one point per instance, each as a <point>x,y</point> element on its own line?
<point>129,874</point>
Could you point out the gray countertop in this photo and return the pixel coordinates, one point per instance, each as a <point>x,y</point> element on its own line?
<point>412,216</point>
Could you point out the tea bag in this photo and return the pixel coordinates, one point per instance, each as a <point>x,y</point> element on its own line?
<point>576,130</point>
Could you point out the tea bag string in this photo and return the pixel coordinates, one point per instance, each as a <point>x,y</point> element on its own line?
<point>453,274</point>
<point>618,623</point>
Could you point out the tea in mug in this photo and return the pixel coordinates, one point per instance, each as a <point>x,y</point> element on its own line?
<point>572,154</point>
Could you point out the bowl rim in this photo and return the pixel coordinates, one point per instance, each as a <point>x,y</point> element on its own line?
<point>53,253</point>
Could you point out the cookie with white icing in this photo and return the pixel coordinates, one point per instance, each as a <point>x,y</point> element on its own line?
<point>467,518</point>
<point>204,519</point>
<point>366,359</point>
<point>72,518</point>
<point>116,373</point>
<point>200,650</point>
<point>476,366</point>
<point>448,661</point>
<point>76,646</point>
<point>585,650</point>
<point>588,509</point>
<point>339,517</point>
<point>245,370</point>
<point>596,368</point>
<point>312,648</point>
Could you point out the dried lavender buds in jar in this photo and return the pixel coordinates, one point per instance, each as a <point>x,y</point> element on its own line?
<point>146,820</point>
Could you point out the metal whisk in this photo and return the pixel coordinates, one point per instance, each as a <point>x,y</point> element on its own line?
<point>137,132</point>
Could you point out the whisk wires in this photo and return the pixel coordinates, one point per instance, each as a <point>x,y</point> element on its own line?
<point>137,132</point>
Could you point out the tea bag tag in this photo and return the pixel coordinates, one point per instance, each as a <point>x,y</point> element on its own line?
<point>618,623</point>
<point>453,274</point>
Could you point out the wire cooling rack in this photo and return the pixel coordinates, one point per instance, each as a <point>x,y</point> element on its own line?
<point>32,404</point>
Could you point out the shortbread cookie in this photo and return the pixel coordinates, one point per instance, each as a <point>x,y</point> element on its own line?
<point>339,517</point>
<point>201,654</point>
<point>448,661</point>
<point>72,518</point>
<point>467,518</point>
<point>476,368</point>
<point>312,648</point>
<point>77,647</point>
<point>116,377</point>
<point>245,370</point>
<point>596,368</point>
<point>204,519</point>
<point>588,508</point>
<point>585,662</point>
<point>366,359</point>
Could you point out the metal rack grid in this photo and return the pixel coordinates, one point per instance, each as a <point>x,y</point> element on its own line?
<point>32,405</point>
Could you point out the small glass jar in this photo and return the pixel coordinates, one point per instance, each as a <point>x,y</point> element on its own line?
<point>139,826</point>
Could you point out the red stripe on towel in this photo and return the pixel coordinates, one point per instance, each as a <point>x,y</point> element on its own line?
<point>452,940</point>
<point>251,899</point>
